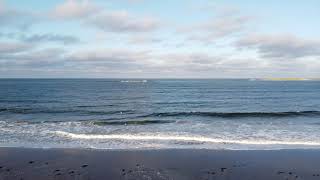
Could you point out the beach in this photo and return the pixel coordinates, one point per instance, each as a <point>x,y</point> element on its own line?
<point>159,90</point>
<point>175,164</point>
<point>92,129</point>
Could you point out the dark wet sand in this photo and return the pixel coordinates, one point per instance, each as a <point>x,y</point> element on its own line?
<point>34,164</point>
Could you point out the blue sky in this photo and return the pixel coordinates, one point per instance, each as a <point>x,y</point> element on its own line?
<point>159,39</point>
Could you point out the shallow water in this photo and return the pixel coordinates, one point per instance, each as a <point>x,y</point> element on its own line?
<point>126,114</point>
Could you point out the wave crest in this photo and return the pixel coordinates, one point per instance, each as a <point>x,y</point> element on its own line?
<point>236,114</point>
<point>141,122</point>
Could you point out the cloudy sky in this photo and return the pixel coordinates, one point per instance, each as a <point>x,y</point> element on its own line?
<point>159,38</point>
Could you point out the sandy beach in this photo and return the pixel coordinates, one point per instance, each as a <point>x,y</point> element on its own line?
<point>34,164</point>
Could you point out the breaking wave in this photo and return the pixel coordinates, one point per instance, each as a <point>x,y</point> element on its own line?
<point>180,138</point>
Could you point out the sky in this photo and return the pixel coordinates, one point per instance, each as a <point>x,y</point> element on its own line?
<point>159,39</point>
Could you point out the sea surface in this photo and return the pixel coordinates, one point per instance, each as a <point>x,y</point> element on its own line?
<point>157,114</point>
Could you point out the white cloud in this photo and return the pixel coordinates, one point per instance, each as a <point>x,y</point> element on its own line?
<point>104,55</point>
<point>281,46</point>
<point>224,23</point>
<point>122,21</point>
<point>74,9</point>
<point>13,47</point>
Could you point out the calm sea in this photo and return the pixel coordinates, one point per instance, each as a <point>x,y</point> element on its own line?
<point>153,114</point>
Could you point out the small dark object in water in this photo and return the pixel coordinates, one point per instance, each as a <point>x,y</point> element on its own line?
<point>31,162</point>
<point>57,170</point>
<point>222,169</point>
<point>85,165</point>
<point>71,172</point>
<point>123,170</point>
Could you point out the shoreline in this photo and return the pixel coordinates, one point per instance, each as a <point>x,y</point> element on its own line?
<point>180,164</point>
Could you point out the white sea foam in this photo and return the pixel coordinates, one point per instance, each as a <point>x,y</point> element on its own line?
<point>134,81</point>
<point>181,138</point>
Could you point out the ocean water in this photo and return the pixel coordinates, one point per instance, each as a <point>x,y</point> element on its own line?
<point>155,114</point>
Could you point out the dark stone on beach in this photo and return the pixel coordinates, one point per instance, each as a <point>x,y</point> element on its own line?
<point>1,167</point>
<point>130,171</point>
<point>222,169</point>
<point>290,173</point>
<point>213,173</point>
<point>123,170</point>
<point>58,174</point>
<point>85,165</point>
<point>46,163</point>
<point>31,162</point>
<point>57,170</point>
<point>71,172</point>
<point>280,172</point>
<point>137,165</point>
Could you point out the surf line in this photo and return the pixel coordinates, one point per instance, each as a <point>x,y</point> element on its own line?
<point>181,138</point>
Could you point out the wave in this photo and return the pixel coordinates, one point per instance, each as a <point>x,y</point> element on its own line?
<point>27,110</point>
<point>141,122</point>
<point>134,81</point>
<point>236,114</point>
<point>19,110</point>
<point>199,139</point>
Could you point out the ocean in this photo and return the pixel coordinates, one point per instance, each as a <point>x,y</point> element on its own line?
<point>159,114</point>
